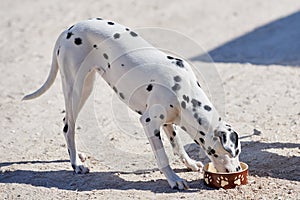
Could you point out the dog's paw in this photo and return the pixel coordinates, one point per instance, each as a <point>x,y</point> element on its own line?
<point>193,164</point>
<point>80,169</point>
<point>175,181</point>
<point>179,184</point>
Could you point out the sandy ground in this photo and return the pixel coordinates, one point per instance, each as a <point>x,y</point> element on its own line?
<point>255,45</point>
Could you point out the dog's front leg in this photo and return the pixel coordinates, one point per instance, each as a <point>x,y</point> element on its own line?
<point>179,149</point>
<point>152,129</point>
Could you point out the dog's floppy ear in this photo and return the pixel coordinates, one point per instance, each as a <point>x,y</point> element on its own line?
<point>229,141</point>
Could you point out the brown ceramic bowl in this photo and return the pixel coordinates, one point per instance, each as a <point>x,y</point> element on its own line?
<point>214,179</point>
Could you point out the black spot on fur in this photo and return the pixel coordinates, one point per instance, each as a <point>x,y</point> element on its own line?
<point>196,142</point>
<point>210,151</point>
<point>183,104</point>
<point>195,103</point>
<point>121,95</point>
<point>202,140</point>
<point>237,152</point>
<point>139,112</point>
<point>198,84</point>
<point>196,116</point>
<point>115,89</point>
<point>176,87</point>
<point>98,18</point>
<point>174,133</point>
<point>207,108</point>
<point>220,119</point>
<point>58,51</point>
<point>199,121</point>
<point>105,56</point>
<point>122,65</point>
<point>186,98</point>
<point>149,87</point>
<point>73,166</point>
<point>110,23</point>
<point>69,35</point>
<point>177,78</point>
<point>215,155</point>
<point>202,133</point>
<point>161,116</point>
<point>65,128</point>
<point>78,41</point>
<point>157,133</point>
<point>148,119</point>
<point>127,29</point>
<point>108,65</point>
<point>117,35</point>
<point>170,57</point>
<point>133,34</point>
<point>171,106</point>
<point>183,128</point>
<point>95,46</point>
<point>179,63</point>
<point>70,28</point>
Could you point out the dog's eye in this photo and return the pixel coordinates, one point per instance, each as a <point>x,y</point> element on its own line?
<point>224,138</point>
<point>234,138</point>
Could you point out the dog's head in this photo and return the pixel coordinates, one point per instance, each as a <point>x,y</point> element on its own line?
<point>226,148</point>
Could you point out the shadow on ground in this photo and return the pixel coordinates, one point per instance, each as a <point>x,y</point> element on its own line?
<point>261,161</point>
<point>264,163</point>
<point>66,180</point>
<point>274,43</point>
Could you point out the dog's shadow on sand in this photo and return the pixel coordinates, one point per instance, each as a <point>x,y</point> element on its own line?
<point>67,180</point>
<point>262,162</point>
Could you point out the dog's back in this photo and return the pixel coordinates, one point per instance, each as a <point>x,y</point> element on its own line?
<point>128,63</point>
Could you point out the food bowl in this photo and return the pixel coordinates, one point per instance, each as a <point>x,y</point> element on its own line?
<point>215,179</point>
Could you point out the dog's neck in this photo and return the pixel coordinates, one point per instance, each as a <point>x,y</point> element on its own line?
<point>200,119</point>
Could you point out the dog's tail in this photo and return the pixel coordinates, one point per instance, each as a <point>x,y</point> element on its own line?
<point>50,80</point>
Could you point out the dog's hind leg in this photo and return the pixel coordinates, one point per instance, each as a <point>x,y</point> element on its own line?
<point>75,96</point>
<point>179,150</point>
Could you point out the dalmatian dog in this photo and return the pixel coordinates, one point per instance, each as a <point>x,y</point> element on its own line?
<point>160,87</point>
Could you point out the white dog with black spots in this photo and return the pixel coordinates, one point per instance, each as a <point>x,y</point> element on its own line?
<point>160,87</point>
